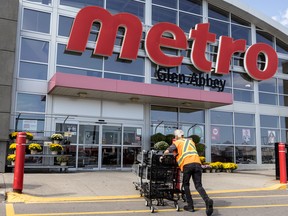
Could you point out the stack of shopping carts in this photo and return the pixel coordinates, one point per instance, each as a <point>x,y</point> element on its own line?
<point>158,180</point>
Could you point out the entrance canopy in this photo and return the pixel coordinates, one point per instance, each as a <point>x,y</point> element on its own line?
<point>126,91</point>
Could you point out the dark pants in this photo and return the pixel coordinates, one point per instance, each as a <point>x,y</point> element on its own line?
<point>193,170</point>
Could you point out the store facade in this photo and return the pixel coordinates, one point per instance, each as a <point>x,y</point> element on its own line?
<point>108,74</point>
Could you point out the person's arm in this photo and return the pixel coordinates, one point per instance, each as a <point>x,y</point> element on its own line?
<point>170,149</point>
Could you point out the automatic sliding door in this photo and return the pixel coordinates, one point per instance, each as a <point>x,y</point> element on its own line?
<point>111,146</point>
<point>88,148</point>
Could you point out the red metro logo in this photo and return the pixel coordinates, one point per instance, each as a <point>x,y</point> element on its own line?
<point>155,40</point>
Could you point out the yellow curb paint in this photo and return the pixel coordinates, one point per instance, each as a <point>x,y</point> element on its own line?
<point>10,210</point>
<point>13,197</point>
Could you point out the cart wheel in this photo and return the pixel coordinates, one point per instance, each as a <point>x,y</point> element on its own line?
<point>158,202</point>
<point>146,203</point>
<point>177,207</point>
<point>152,209</point>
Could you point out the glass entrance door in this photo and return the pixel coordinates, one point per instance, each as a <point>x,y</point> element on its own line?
<point>111,146</point>
<point>101,146</point>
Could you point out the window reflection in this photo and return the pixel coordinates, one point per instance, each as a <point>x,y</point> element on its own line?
<point>163,15</point>
<point>82,3</point>
<point>30,102</point>
<point>34,50</point>
<point>36,21</point>
<point>222,153</point>
<point>33,71</point>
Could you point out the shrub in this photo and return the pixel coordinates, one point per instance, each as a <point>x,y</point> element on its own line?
<point>162,145</point>
<point>157,137</point>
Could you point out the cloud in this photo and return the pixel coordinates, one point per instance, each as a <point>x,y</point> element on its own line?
<point>282,18</point>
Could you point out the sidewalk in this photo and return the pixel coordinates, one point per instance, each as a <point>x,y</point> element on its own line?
<point>120,183</point>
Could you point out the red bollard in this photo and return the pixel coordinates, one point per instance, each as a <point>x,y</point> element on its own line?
<point>19,162</point>
<point>282,163</point>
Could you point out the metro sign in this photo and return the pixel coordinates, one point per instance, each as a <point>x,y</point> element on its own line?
<point>155,40</point>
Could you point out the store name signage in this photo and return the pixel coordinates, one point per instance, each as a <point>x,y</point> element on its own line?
<point>156,39</point>
<point>195,79</point>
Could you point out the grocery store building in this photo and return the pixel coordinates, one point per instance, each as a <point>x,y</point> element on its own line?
<point>108,74</point>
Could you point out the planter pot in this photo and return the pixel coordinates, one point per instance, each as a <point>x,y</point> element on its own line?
<point>12,163</point>
<point>213,170</point>
<point>63,164</point>
<point>207,170</point>
<point>228,170</point>
<point>33,152</point>
<point>54,152</point>
<point>56,141</point>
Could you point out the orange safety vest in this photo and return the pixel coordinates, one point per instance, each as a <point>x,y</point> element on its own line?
<point>187,152</point>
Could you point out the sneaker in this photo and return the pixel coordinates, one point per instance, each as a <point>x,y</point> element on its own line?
<point>209,207</point>
<point>189,208</point>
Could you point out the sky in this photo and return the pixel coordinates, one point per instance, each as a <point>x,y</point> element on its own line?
<point>276,9</point>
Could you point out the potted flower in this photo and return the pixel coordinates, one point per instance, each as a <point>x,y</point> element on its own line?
<point>55,148</point>
<point>34,148</point>
<point>13,147</point>
<point>229,167</point>
<point>12,158</point>
<point>62,160</point>
<point>13,135</point>
<point>56,138</point>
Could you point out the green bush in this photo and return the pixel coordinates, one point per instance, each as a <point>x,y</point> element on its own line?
<point>196,139</point>
<point>162,145</point>
<point>157,138</point>
<point>169,138</point>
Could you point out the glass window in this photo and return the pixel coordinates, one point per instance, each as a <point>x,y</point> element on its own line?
<point>218,117</point>
<point>283,66</point>
<point>192,6</point>
<point>72,129</point>
<point>269,121</point>
<point>132,136</point>
<point>89,134</point>
<point>167,3</point>
<point>33,123</point>
<point>239,21</point>
<point>135,67</point>
<point>264,37</point>
<point>268,155</point>
<point>242,81</point>
<point>283,86</point>
<point>245,136</point>
<point>34,50</point>
<point>111,135</point>
<point>281,46</point>
<point>33,71</point>
<point>269,136</point>
<point>83,72</point>
<point>284,122</point>
<point>268,85</point>
<point>221,135</point>
<point>244,96</point>
<point>244,119</point>
<point>265,98</point>
<point>30,102</point>
<point>188,21</point>
<point>246,155</point>
<point>162,113</point>
<point>191,115</point>
<point>217,13</point>
<point>65,24</point>
<point>222,153</point>
<point>83,60</point>
<point>46,2</point>
<point>36,21</point>
<point>219,28</point>
<point>241,32</point>
<point>123,77</point>
<point>82,3</point>
<point>283,100</point>
<point>163,15</point>
<point>130,6</point>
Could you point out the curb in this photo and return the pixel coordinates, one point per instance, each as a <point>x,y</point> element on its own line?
<point>13,197</point>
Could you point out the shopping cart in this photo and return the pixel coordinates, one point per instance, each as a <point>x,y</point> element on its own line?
<point>158,180</point>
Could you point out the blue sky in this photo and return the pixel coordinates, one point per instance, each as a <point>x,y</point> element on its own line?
<point>276,9</point>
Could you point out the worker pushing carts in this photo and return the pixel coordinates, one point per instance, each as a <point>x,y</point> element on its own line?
<point>159,180</point>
